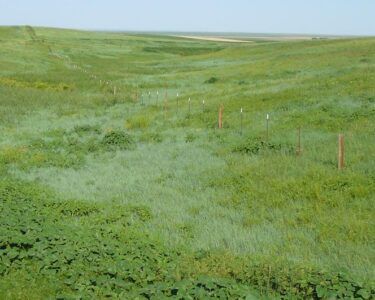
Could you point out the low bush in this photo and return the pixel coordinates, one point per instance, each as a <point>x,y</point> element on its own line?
<point>212,80</point>
<point>257,145</point>
<point>116,139</point>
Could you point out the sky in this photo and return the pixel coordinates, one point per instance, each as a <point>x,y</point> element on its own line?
<point>335,17</point>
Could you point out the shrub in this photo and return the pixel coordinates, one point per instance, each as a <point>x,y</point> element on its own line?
<point>190,138</point>
<point>212,80</point>
<point>118,140</point>
<point>257,145</point>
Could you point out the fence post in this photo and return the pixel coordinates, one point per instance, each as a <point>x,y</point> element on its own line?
<point>341,158</point>
<point>221,117</point>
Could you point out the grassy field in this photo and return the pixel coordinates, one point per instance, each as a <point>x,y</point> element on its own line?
<point>132,195</point>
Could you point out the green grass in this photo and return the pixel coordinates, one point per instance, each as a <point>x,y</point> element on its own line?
<point>209,212</point>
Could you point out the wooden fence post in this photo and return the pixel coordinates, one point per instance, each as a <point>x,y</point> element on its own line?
<point>221,117</point>
<point>341,158</point>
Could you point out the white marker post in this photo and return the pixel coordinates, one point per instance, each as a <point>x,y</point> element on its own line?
<point>149,98</point>
<point>267,126</point>
<point>203,104</point>
<point>189,106</point>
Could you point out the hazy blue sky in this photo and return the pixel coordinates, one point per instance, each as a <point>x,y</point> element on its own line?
<point>266,16</point>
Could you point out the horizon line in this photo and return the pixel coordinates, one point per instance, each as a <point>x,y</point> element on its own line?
<point>191,32</point>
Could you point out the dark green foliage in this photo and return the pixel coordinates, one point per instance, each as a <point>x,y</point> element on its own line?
<point>212,80</point>
<point>118,140</point>
<point>87,129</point>
<point>307,283</point>
<point>73,244</point>
<point>190,137</point>
<point>258,145</point>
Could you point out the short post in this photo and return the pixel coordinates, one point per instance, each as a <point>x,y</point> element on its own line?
<point>189,106</point>
<point>299,150</point>
<point>267,126</point>
<point>157,98</point>
<point>203,106</point>
<point>341,158</point>
<point>221,117</point>
<point>241,121</point>
<point>149,98</point>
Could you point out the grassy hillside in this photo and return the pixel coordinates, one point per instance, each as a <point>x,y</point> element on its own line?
<point>111,185</point>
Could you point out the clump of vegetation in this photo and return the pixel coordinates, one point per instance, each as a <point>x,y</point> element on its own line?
<point>87,129</point>
<point>190,137</point>
<point>258,145</point>
<point>117,139</point>
<point>212,80</point>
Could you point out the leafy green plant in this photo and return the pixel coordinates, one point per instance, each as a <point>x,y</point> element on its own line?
<point>190,137</point>
<point>212,80</point>
<point>258,145</point>
<point>116,139</point>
